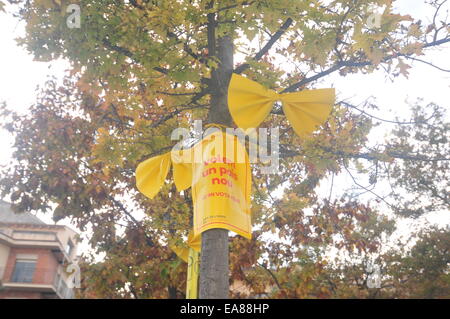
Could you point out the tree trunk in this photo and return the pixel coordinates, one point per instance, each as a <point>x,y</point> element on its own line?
<point>214,265</point>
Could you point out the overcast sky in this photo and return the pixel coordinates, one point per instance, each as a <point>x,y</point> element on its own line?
<point>20,76</point>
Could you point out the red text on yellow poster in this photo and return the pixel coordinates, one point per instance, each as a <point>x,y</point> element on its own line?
<point>221,186</point>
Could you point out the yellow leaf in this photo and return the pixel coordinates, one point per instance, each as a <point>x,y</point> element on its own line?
<point>403,68</point>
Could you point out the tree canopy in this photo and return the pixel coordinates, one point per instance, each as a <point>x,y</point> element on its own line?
<point>141,68</point>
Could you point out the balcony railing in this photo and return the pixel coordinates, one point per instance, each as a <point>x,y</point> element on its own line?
<point>34,235</point>
<point>43,280</point>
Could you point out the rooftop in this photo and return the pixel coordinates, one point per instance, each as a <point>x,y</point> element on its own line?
<point>8,216</point>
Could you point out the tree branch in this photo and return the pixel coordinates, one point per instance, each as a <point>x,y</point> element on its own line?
<point>272,275</point>
<point>174,113</point>
<point>186,48</point>
<point>134,3</point>
<point>384,120</point>
<point>131,217</point>
<point>428,63</point>
<point>267,47</point>
<point>286,153</point>
<point>129,54</point>
<point>350,63</point>
<point>245,3</point>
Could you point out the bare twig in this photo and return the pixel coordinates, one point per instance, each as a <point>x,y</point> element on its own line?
<point>275,279</point>
<point>129,54</point>
<point>351,63</point>
<point>267,47</point>
<point>428,63</point>
<point>384,120</point>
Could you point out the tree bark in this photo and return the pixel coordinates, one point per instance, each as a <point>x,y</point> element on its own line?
<point>214,265</point>
<point>220,79</point>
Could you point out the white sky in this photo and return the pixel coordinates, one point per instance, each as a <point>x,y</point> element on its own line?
<point>20,76</point>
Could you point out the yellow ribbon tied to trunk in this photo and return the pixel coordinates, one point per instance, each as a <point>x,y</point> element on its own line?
<point>250,103</point>
<point>218,170</point>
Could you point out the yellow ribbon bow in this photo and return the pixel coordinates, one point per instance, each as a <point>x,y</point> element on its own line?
<point>150,177</point>
<point>151,173</point>
<point>250,103</point>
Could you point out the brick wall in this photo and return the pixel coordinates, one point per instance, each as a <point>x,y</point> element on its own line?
<point>46,264</point>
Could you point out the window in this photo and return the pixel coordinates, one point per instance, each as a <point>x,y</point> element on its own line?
<point>24,271</point>
<point>61,287</point>
<point>69,247</point>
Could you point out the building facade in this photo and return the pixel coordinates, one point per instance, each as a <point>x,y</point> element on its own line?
<point>34,257</point>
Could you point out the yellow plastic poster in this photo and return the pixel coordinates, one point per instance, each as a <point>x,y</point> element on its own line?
<point>221,186</point>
